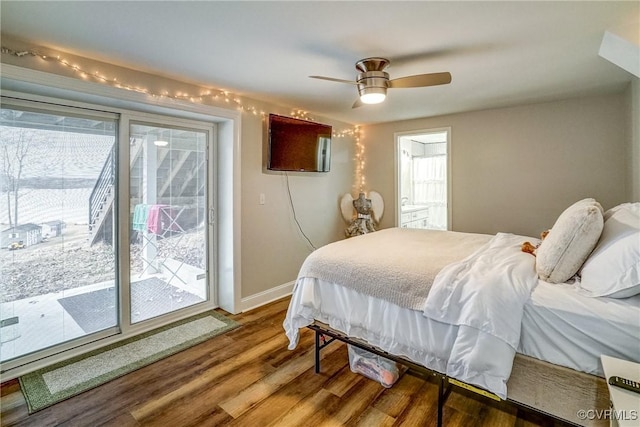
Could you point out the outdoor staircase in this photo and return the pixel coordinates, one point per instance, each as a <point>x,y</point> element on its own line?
<point>101,203</point>
<point>181,175</point>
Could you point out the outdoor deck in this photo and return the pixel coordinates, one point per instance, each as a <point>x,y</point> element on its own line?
<point>42,321</point>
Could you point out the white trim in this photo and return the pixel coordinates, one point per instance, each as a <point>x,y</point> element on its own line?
<point>265,297</point>
<point>620,52</point>
<point>228,218</point>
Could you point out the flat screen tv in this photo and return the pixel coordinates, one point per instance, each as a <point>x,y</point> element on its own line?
<point>298,145</point>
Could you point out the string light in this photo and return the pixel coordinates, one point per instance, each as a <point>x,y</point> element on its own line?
<point>211,94</point>
<point>360,179</point>
<point>214,94</point>
<point>360,162</point>
<point>302,115</point>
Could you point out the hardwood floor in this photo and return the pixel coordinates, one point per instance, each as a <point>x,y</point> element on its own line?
<point>247,377</point>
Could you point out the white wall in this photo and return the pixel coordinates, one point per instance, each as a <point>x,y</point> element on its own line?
<point>273,248</point>
<point>515,169</point>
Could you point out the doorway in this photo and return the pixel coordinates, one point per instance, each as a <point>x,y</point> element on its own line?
<point>423,179</point>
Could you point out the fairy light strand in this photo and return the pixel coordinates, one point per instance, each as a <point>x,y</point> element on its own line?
<point>218,95</point>
<point>211,94</point>
<point>360,178</point>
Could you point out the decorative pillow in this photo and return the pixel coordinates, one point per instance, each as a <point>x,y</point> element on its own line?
<point>613,269</point>
<point>570,241</point>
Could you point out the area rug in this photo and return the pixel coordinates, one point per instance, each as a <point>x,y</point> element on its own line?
<point>61,381</point>
<point>96,310</point>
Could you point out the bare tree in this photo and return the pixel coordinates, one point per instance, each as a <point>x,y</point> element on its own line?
<point>14,148</point>
<point>7,176</point>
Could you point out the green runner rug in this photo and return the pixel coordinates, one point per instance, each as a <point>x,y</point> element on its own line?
<point>63,380</point>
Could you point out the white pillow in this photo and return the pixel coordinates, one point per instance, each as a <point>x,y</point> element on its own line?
<point>634,207</point>
<point>570,241</point>
<point>613,269</point>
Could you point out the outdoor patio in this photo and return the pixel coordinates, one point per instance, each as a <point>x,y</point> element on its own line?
<point>38,322</point>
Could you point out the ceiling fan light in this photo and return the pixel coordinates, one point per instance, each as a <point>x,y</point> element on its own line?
<point>372,98</point>
<point>372,90</point>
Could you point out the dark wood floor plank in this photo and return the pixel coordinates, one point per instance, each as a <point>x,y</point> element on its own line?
<point>465,405</point>
<point>9,387</point>
<point>395,400</point>
<point>353,403</point>
<point>250,372</point>
<point>204,403</point>
<point>214,418</point>
<point>422,410</point>
<point>373,417</point>
<point>280,357</point>
<point>498,418</point>
<point>238,404</point>
<point>303,411</point>
<point>234,364</point>
<point>290,394</point>
<point>343,381</point>
<point>123,420</point>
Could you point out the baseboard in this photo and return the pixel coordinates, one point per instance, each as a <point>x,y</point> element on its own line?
<point>265,297</point>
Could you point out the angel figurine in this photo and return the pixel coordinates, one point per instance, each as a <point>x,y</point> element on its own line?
<point>368,212</point>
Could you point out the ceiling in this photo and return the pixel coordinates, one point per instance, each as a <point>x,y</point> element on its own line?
<point>498,53</point>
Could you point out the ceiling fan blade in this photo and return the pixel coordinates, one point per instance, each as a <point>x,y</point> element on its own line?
<point>421,80</point>
<point>357,104</point>
<point>331,79</point>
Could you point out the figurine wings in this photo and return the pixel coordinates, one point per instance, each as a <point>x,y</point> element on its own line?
<point>349,212</point>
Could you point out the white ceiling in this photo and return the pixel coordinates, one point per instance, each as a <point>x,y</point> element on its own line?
<point>499,53</point>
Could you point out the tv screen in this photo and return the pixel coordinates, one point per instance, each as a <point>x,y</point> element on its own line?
<point>298,145</point>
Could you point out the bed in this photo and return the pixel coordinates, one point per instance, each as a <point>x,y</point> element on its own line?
<point>531,342</point>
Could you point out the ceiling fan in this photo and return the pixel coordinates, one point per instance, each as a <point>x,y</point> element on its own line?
<point>373,81</point>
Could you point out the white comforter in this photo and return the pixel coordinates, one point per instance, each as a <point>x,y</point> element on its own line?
<point>484,294</point>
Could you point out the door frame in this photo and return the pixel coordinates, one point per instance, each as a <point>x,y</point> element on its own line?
<point>127,119</point>
<point>397,169</point>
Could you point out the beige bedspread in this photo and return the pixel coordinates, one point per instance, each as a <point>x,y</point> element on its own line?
<point>407,258</point>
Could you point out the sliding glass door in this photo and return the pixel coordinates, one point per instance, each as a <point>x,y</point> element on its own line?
<point>106,225</point>
<point>168,204</point>
<point>57,257</point>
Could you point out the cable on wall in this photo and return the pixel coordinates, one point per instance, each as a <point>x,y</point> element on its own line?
<point>293,209</point>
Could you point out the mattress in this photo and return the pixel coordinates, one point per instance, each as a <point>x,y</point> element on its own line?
<point>562,326</point>
<point>559,325</point>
